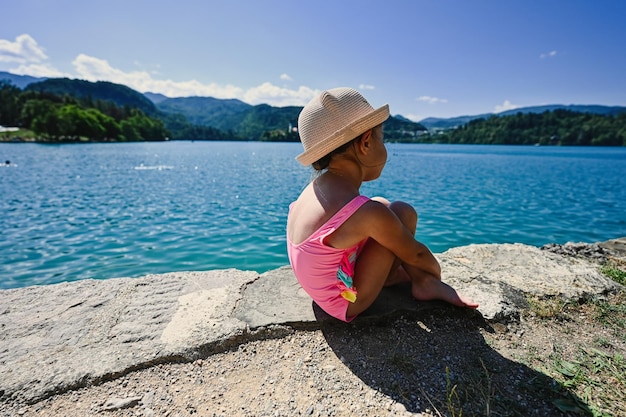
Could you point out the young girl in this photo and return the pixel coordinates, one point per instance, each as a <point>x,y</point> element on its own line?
<point>344,247</point>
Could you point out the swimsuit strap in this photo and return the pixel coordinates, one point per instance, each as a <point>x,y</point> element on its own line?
<point>347,210</point>
<point>341,216</point>
<point>336,219</point>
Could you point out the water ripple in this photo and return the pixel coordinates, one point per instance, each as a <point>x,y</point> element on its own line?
<point>112,210</point>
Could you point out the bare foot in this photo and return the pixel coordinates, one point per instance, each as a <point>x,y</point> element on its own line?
<point>427,287</point>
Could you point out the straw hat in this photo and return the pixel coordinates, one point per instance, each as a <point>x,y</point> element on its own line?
<point>334,118</point>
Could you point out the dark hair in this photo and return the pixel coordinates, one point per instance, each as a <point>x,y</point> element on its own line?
<point>322,163</point>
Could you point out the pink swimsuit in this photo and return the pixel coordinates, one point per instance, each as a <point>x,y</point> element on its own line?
<point>324,272</point>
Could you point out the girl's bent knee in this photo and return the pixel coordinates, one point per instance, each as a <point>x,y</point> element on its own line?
<point>405,212</point>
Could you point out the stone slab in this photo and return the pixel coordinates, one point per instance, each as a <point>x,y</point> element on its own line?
<point>59,337</point>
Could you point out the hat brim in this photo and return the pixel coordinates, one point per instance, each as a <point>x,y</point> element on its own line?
<point>343,136</point>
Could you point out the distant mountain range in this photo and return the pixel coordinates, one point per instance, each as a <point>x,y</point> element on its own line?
<point>20,81</point>
<point>250,121</point>
<point>236,119</point>
<point>434,123</point>
<point>245,120</point>
<point>208,111</point>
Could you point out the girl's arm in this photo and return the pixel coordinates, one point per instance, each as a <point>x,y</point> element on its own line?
<point>382,225</point>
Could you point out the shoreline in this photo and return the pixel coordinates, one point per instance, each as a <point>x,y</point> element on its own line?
<point>4,139</point>
<point>587,250</point>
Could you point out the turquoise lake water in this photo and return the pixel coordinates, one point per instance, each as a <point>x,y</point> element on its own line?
<point>72,212</point>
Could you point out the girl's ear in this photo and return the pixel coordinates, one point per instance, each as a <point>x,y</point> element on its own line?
<point>364,141</point>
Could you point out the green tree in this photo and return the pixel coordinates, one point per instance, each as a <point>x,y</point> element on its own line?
<point>139,126</point>
<point>9,109</point>
<point>128,131</point>
<point>75,122</point>
<point>41,117</point>
<point>558,127</point>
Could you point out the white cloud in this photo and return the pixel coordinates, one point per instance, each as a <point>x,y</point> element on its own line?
<point>96,69</point>
<point>414,117</point>
<point>38,70</point>
<point>550,54</point>
<point>29,57</point>
<point>31,60</point>
<point>23,51</point>
<point>366,87</point>
<point>278,96</point>
<point>507,105</point>
<point>431,100</point>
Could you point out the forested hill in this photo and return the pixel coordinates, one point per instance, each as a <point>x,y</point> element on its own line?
<point>260,122</point>
<point>205,111</point>
<point>435,123</point>
<point>52,112</point>
<point>557,127</point>
<point>119,94</point>
<point>65,109</point>
<point>232,117</point>
<point>19,81</point>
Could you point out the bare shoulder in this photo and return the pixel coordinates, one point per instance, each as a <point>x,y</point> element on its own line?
<point>308,214</point>
<point>304,218</point>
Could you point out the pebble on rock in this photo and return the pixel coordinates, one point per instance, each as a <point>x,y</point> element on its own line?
<point>120,403</point>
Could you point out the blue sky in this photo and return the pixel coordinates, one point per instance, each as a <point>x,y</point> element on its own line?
<point>424,58</point>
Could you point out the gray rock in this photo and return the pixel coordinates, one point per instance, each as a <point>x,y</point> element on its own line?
<point>601,252</point>
<point>60,337</point>
<point>120,403</point>
<point>64,336</point>
<point>499,276</point>
<point>615,247</point>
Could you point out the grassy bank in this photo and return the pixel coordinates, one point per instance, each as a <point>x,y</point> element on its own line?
<point>578,345</point>
<point>22,135</point>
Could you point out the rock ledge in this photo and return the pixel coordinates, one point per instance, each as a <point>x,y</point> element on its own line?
<point>60,337</point>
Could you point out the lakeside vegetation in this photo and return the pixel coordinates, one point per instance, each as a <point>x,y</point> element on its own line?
<point>64,110</point>
<point>67,118</point>
<point>554,127</point>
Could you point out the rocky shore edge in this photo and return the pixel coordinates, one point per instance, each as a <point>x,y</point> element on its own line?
<point>62,337</point>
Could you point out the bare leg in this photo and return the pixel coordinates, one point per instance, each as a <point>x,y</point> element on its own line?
<point>408,217</point>
<point>377,267</point>
<point>397,276</point>
<point>371,272</point>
